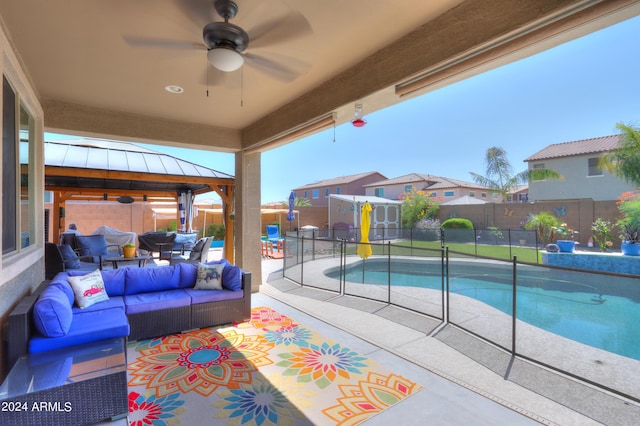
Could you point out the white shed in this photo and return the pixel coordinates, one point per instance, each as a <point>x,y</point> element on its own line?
<point>344,212</point>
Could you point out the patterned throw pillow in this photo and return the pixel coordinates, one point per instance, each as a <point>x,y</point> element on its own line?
<point>209,277</point>
<point>88,289</point>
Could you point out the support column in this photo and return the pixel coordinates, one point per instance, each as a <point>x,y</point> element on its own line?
<point>247,221</point>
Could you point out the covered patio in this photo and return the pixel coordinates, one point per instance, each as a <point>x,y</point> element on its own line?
<point>99,170</point>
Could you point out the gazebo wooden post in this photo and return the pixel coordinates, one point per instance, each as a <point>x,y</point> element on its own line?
<point>228,248</point>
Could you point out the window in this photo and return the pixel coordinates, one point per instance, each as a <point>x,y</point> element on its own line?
<point>594,167</point>
<point>494,195</point>
<point>408,188</point>
<point>483,195</point>
<point>18,208</point>
<point>315,193</point>
<point>538,166</point>
<point>448,193</point>
<point>326,192</point>
<point>433,194</point>
<point>379,192</point>
<point>306,194</point>
<point>338,190</point>
<point>472,194</point>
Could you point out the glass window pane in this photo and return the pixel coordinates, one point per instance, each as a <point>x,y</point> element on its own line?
<point>9,183</point>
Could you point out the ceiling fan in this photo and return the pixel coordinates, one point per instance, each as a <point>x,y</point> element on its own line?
<point>227,43</point>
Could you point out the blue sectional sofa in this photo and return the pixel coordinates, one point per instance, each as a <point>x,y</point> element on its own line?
<point>140,303</point>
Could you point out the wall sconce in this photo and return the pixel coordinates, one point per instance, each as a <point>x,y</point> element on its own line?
<point>105,196</point>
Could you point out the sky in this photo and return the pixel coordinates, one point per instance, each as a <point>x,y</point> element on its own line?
<point>578,90</point>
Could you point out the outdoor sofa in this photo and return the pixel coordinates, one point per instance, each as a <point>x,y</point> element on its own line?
<point>139,303</point>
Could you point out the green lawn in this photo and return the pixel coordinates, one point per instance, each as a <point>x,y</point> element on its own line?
<point>421,248</point>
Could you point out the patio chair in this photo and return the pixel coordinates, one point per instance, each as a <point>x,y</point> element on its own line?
<point>272,233</point>
<point>160,242</point>
<point>95,247</point>
<point>199,253</point>
<point>63,258</point>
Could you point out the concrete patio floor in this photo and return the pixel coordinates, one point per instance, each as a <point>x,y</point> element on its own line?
<point>471,384</point>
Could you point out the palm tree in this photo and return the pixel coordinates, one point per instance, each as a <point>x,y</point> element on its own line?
<point>297,202</point>
<point>624,161</point>
<point>499,173</point>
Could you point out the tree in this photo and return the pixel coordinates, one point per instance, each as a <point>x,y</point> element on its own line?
<point>416,206</point>
<point>297,202</point>
<point>499,173</point>
<point>624,161</point>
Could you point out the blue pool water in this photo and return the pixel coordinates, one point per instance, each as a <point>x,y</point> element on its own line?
<point>578,313</point>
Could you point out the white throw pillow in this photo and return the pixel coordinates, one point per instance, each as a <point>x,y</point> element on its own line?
<point>209,277</point>
<point>88,289</point>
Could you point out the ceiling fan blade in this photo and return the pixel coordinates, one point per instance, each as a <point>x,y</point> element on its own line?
<point>200,12</point>
<point>281,29</point>
<point>283,68</point>
<point>162,43</point>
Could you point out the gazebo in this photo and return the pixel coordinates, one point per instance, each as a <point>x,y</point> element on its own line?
<point>95,169</point>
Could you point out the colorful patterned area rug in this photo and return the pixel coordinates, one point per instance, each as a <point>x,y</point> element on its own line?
<point>268,371</point>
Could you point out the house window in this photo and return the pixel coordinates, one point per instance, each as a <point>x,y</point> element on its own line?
<point>379,192</point>
<point>472,194</point>
<point>538,166</point>
<point>315,193</point>
<point>448,193</point>
<point>306,194</point>
<point>18,209</point>
<point>326,192</point>
<point>338,190</point>
<point>408,188</point>
<point>433,194</point>
<point>494,195</point>
<point>483,195</point>
<point>594,167</point>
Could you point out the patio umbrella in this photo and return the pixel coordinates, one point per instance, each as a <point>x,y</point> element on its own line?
<point>364,249</point>
<point>290,216</point>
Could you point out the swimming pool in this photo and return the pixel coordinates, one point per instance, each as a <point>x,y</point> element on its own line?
<point>600,311</point>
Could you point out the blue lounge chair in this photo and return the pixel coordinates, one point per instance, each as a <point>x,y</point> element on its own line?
<point>272,233</point>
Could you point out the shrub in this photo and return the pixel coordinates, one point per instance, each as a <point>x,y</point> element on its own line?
<point>418,205</point>
<point>457,223</point>
<point>544,224</point>
<point>216,231</point>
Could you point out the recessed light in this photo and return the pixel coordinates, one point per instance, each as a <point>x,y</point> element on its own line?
<point>172,88</point>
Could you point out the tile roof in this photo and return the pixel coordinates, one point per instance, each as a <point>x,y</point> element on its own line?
<point>341,180</point>
<point>434,182</point>
<point>581,147</point>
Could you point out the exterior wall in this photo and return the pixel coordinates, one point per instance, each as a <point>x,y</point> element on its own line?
<point>576,183</point>
<point>353,188</point>
<point>577,214</point>
<point>396,192</point>
<point>23,270</point>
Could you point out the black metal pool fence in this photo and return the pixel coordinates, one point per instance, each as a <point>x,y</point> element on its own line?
<point>320,260</point>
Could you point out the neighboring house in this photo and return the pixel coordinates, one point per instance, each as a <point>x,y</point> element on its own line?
<point>318,192</point>
<point>519,194</point>
<point>578,163</point>
<point>442,188</point>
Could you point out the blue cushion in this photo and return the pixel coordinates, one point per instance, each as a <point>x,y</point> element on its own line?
<point>112,302</point>
<point>52,312</point>
<point>232,278</point>
<point>143,280</point>
<point>61,281</point>
<point>69,257</point>
<point>87,326</point>
<point>146,302</point>
<point>184,239</point>
<point>114,281</point>
<point>205,296</point>
<point>188,274</point>
<point>92,244</point>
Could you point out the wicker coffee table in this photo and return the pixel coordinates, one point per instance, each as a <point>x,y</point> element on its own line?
<point>72,386</point>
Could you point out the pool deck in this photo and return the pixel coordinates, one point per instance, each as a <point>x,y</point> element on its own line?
<point>455,368</point>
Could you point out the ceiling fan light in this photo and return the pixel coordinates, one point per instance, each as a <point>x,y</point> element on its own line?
<point>225,59</point>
